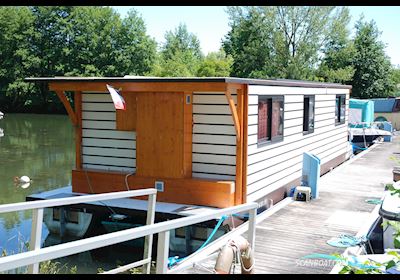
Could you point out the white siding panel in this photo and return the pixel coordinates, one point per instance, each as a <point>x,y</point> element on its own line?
<point>253,110</point>
<point>252,129</point>
<point>323,123</point>
<point>128,144</point>
<point>293,115</point>
<point>268,188</point>
<point>325,97</point>
<point>129,153</point>
<point>108,116</point>
<point>325,103</point>
<point>95,97</point>
<point>213,168</point>
<point>253,100</point>
<point>99,124</point>
<point>214,139</point>
<point>214,149</point>
<point>208,119</point>
<point>275,177</point>
<point>293,122</point>
<point>213,176</point>
<point>293,130</point>
<point>278,155</point>
<point>294,99</point>
<point>128,162</point>
<point>256,154</point>
<point>109,168</point>
<point>214,129</point>
<point>322,117</point>
<point>325,110</point>
<point>220,159</point>
<point>113,134</point>
<point>278,90</point>
<point>252,120</point>
<point>337,91</point>
<point>211,109</point>
<point>214,99</point>
<point>106,107</point>
<point>293,107</point>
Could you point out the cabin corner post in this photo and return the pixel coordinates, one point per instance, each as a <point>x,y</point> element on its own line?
<point>237,115</point>
<point>245,114</point>
<point>78,129</point>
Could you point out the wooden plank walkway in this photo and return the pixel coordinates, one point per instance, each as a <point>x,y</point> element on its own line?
<point>301,228</point>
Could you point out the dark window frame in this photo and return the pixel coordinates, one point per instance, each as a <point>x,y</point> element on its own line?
<point>306,114</point>
<point>340,109</point>
<point>272,139</point>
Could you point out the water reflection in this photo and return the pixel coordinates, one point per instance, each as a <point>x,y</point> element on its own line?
<point>42,148</point>
<point>38,146</point>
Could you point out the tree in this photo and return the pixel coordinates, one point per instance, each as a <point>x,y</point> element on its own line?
<point>395,77</point>
<point>180,54</point>
<point>249,42</point>
<point>17,60</point>
<point>282,42</point>
<point>338,52</point>
<point>215,64</point>
<point>372,66</point>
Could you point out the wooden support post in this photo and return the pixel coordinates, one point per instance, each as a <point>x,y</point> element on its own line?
<point>239,149</point>
<point>234,112</point>
<point>36,236</point>
<point>67,105</point>
<point>162,252</point>
<point>148,243</point>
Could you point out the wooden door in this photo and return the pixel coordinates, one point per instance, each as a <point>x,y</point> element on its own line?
<point>159,135</point>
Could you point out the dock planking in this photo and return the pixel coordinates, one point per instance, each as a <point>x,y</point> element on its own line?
<point>301,228</point>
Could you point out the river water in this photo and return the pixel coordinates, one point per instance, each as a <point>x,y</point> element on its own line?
<point>43,148</point>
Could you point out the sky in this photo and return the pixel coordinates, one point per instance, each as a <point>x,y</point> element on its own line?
<point>210,23</point>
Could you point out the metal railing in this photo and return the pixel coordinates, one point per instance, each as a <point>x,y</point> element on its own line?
<point>18,260</point>
<point>163,229</point>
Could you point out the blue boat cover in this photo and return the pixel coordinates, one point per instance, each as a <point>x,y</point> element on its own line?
<point>367,107</point>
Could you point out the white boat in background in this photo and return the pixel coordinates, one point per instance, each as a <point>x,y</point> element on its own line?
<point>1,115</point>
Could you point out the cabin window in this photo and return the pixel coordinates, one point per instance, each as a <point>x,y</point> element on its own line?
<point>340,109</point>
<point>270,119</point>
<point>308,114</point>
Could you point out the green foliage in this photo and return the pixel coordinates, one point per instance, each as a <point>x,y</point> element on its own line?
<point>396,232</point>
<point>336,65</point>
<point>180,54</point>
<point>46,41</point>
<point>370,266</point>
<point>372,66</point>
<point>215,64</point>
<point>282,42</point>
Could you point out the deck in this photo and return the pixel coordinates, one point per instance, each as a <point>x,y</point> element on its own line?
<point>300,229</point>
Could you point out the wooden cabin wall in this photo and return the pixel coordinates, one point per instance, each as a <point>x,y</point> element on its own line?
<point>103,146</point>
<point>271,166</point>
<point>214,137</point>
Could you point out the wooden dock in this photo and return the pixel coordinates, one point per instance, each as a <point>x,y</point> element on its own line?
<point>300,229</point>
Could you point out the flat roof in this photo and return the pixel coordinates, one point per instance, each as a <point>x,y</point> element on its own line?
<point>141,79</point>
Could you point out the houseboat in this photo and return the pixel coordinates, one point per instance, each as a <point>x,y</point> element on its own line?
<point>363,130</point>
<point>212,142</point>
<point>387,109</point>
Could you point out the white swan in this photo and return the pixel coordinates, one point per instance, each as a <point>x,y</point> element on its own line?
<point>1,115</point>
<point>22,180</point>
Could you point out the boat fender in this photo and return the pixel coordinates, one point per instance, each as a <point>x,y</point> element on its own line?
<point>226,256</point>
